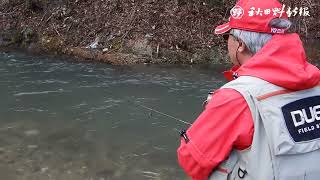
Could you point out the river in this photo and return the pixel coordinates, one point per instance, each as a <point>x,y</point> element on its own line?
<point>67,120</point>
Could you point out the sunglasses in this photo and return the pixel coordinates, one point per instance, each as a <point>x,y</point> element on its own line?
<point>226,36</point>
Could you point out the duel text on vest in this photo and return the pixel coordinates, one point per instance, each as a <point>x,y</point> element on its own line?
<point>300,117</point>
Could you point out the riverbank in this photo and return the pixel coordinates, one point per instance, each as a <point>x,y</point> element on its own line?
<point>128,32</point>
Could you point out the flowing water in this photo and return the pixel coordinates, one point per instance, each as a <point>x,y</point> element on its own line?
<point>63,120</point>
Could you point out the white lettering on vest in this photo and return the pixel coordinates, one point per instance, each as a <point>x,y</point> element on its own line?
<point>312,119</point>
<point>300,117</point>
<point>316,110</point>
<point>306,129</point>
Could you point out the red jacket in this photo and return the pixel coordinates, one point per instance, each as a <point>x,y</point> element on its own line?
<point>226,123</point>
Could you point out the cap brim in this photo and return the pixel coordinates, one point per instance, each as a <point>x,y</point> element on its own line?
<point>222,28</point>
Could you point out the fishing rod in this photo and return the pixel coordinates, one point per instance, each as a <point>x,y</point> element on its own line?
<point>164,114</point>
<point>172,117</point>
<point>182,133</point>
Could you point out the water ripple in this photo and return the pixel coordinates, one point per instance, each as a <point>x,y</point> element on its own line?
<point>41,92</point>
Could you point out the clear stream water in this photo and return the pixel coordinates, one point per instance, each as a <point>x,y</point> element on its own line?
<point>67,120</point>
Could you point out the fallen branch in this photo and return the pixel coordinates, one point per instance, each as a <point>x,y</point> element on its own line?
<point>43,16</point>
<point>49,18</point>
<point>55,28</point>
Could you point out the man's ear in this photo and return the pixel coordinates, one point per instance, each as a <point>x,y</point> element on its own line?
<point>242,47</point>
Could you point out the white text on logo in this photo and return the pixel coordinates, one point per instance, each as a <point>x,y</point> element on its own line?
<point>300,117</point>
<point>237,12</point>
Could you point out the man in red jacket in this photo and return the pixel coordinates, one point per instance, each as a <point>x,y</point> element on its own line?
<point>258,46</point>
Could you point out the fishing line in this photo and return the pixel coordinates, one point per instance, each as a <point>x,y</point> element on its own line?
<point>159,112</point>
<point>164,114</point>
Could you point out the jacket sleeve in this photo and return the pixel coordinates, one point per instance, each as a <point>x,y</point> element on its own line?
<point>226,123</point>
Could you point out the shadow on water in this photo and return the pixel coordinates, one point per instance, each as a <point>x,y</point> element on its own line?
<point>78,121</point>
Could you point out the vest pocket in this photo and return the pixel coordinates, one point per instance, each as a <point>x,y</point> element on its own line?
<point>283,131</point>
<point>292,131</point>
<point>298,167</point>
